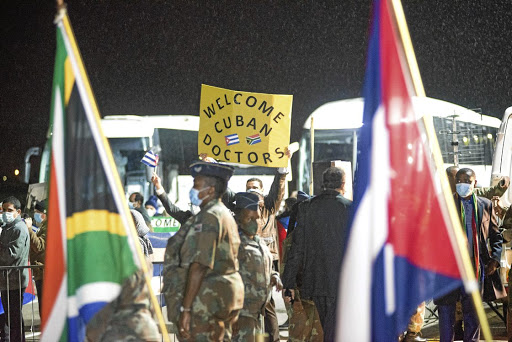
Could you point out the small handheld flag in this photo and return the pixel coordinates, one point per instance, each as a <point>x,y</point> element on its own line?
<point>150,159</point>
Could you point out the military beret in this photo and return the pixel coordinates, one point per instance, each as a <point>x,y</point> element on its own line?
<point>40,206</point>
<point>247,200</point>
<point>218,170</point>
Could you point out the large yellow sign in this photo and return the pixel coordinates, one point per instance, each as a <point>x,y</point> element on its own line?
<point>245,128</point>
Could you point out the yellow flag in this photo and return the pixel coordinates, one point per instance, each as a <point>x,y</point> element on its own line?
<point>245,128</point>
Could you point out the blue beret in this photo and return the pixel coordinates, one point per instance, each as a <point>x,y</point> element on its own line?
<point>153,201</point>
<point>247,200</point>
<point>218,170</point>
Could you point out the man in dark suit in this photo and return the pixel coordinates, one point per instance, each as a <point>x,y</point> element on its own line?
<point>480,228</point>
<point>316,251</point>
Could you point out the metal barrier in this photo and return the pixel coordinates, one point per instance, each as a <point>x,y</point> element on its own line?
<point>11,290</point>
<point>30,310</point>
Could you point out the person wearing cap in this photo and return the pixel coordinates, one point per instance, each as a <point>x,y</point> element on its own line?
<point>214,292</point>
<point>317,249</point>
<point>129,316</point>
<point>38,247</point>
<point>151,206</point>
<point>267,227</point>
<point>255,268</point>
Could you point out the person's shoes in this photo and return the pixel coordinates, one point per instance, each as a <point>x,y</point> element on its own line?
<point>414,337</point>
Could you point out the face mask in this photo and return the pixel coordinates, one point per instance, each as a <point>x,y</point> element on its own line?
<point>130,205</point>
<point>38,217</point>
<point>464,189</point>
<point>8,217</point>
<point>194,196</point>
<point>151,212</point>
<point>250,228</point>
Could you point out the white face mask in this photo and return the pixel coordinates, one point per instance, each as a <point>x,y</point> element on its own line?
<point>464,189</point>
<point>151,212</point>
<point>8,217</point>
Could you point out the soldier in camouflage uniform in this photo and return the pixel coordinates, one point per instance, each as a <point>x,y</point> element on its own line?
<point>214,291</point>
<point>255,268</point>
<point>128,317</point>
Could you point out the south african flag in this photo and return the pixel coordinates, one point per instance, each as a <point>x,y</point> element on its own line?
<point>253,139</point>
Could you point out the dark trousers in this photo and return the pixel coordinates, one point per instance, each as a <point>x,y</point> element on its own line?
<point>14,327</point>
<point>271,324</point>
<point>39,288</point>
<point>447,320</point>
<point>326,307</point>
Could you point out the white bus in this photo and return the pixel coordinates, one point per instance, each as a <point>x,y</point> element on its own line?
<point>337,124</point>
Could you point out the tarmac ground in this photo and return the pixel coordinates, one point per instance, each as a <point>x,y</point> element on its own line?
<point>430,330</point>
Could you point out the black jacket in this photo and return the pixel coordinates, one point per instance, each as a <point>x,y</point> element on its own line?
<point>317,245</point>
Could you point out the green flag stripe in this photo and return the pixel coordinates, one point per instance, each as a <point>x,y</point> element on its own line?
<point>98,256</point>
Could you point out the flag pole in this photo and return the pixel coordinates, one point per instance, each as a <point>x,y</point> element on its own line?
<point>69,31</point>
<point>312,143</point>
<point>468,275</point>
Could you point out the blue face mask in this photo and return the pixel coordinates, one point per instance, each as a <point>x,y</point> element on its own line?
<point>38,217</point>
<point>130,205</point>
<point>464,189</point>
<point>194,196</point>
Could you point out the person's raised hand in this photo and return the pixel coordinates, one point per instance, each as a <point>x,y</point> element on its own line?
<point>157,182</point>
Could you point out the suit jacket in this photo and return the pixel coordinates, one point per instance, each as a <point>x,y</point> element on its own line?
<point>490,243</point>
<point>317,245</point>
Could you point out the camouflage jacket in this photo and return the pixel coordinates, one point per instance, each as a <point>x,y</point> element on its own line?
<point>212,240</point>
<point>256,271</point>
<point>267,226</point>
<point>38,249</point>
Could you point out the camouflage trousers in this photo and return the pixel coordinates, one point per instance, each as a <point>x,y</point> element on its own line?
<point>248,327</point>
<point>210,328</point>
<point>303,321</point>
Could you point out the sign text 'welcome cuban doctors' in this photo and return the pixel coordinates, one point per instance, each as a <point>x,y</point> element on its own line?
<point>246,128</point>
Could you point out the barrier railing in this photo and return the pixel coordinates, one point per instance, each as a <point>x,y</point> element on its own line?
<point>29,307</point>
<point>15,305</point>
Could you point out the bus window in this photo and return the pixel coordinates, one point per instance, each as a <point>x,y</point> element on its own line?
<point>329,145</point>
<point>476,142</point>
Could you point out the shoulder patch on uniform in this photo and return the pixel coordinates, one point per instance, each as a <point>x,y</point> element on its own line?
<point>198,227</point>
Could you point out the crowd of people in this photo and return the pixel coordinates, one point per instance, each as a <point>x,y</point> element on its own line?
<point>221,266</point>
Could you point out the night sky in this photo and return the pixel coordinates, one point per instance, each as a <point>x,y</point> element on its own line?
<point>150,57</point>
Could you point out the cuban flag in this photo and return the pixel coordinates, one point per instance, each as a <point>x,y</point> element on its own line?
<point>400,249</point>
<point>232,139</point>
<point>150,159</point>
